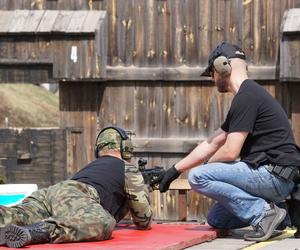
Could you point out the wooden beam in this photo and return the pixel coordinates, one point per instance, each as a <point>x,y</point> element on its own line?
<point>181,73</point>
<point>183,186</point>
<point>12,61</point>
<point>164,145</point>
<point>180,184</point>
<point>263,72</point>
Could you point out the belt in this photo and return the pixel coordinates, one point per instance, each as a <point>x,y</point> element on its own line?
<point>287,173</point>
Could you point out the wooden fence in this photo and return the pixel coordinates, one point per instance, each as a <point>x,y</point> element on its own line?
<point>33,155</point>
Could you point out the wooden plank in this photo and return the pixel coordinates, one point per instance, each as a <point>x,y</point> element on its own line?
<point>194,101</point>
<point>125,41</point>
<point>72,59</point>
<point>25,74</point>
<point>100,50</point>
<point>217,21</point>
<point>113,24</point>
<point>92,21</point>
<point>103,99</point>
<point>257,43</point>
<point>154,113</point>
<point>169,203</point>
<point>181,73</point>
<point>32,21</point>
<point>139,25</point>
<point>273,31</point>
<point>163,33</point>
<point>12,61</point>
<point>87,59</point>
<point>165,145</point>
<point>62,21</point>
<point>77,21</point>
<point>262,31</point>
<point>182,205</point>
<point>47,21</point>
<point>263,72</point>
<point>19,17</point>
<point>180,184</point>
<point>59,55</point>
<point>130,35</point>
<point>5,20</point>
<point>290,62</point>
<point>181,117</point>
<point>190,32</point>
<point>128,96</point>
<point>177,32</point>
<point>141,109</point>
<point>233,26</point>
<point>7,150</point>
<point>248,29</point>
<point>292,21</point>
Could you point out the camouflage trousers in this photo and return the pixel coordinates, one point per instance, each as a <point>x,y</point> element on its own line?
<point>70,209</point>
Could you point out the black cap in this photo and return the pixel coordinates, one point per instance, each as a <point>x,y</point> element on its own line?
<point>224,49</point>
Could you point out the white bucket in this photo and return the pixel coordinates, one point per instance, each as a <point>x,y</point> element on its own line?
<point>12,194</point>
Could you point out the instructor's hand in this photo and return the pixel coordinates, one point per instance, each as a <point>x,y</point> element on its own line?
<point>168,176</point>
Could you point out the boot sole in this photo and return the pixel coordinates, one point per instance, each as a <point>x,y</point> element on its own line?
<point>16,236</point>
<point>275,223</point>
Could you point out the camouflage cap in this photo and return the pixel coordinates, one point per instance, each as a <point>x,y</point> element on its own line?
<point>111,139</point>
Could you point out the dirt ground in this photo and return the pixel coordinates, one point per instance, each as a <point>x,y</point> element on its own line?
<point>28,105</point>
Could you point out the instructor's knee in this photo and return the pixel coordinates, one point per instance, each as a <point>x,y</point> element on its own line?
<point>195,177</point>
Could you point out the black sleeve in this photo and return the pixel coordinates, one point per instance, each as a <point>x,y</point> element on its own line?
<point>242,114</point>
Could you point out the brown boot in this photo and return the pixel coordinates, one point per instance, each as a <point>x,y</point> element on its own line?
<point>19,236</point>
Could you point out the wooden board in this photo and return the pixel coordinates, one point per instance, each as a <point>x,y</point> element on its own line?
<point>47,21</point>
<point>291,23</point>
<point>34,155</point>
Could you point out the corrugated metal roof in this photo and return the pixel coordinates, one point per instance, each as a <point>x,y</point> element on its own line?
<point>291,21</point>
<point>50,21</point>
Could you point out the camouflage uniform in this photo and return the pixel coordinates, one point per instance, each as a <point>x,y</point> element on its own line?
<point>72,212</point>
<point>138,197</point>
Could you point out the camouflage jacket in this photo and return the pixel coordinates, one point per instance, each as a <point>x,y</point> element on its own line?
<point>137,193</point>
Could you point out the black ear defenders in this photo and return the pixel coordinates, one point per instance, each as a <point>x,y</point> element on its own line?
<point>222,65</point>
<point>122,134</point>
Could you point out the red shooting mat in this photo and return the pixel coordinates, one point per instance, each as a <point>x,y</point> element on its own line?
<point>161,236</point>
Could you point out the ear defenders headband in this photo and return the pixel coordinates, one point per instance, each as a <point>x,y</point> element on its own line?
<point>122,134</point>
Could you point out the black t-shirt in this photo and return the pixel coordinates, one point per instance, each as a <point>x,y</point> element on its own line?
<point>107,176</point>
<point>255,111</point>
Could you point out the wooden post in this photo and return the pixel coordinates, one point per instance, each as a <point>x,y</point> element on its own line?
<point>183,187</point>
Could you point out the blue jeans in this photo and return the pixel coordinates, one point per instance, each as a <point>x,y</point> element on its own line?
<point>242,192</point>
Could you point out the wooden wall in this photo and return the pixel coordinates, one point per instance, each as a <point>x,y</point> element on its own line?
<point>33,155</point>
<point>176,32</point>
<point>42,46</point>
